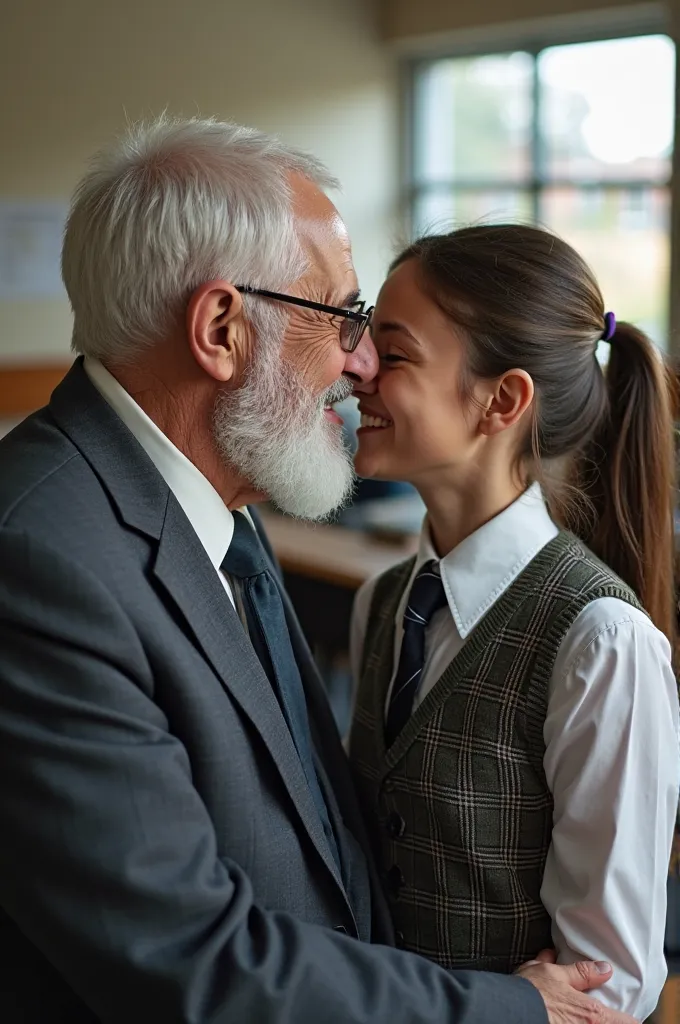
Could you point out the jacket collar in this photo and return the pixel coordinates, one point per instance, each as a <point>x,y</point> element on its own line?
<point>202,505</point>
<point>137,490</point>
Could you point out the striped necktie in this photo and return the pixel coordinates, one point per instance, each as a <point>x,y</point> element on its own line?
<point>425,598</point>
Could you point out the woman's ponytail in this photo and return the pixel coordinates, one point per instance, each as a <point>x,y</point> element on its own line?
<point>626,471</point>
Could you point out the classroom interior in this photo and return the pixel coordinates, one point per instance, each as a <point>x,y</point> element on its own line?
<point>429,113</point>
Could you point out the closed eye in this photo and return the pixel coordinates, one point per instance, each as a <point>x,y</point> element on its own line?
<point>390,357</point>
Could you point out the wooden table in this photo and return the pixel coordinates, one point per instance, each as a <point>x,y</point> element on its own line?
<point>333,554</point>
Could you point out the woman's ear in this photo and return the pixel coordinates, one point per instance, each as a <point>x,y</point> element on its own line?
<point>507,399</point>
<point>216,330</point>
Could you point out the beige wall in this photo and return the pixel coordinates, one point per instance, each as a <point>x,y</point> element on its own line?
<point>312,70</point>
<point>405,22</point>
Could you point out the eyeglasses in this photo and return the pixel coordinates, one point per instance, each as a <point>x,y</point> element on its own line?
<point>354,321</point>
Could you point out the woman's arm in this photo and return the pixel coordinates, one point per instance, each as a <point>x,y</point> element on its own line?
<point>612,765</point>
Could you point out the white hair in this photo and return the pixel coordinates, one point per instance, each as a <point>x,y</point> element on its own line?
<point>170,205</point>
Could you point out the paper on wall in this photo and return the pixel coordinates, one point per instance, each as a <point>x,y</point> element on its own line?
<point>30,249</point>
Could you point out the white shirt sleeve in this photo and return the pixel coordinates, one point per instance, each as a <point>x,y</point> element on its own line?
<point>612,764</point>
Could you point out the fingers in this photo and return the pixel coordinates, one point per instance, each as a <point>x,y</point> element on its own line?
<point>587,974</point>
<point>546,956</point>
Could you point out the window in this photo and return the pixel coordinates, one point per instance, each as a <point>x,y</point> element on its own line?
<point>576,137</point>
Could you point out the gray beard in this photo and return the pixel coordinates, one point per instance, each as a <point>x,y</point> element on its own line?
<point>276,435</point>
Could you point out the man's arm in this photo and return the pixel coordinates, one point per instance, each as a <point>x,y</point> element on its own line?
<point>108,858</point>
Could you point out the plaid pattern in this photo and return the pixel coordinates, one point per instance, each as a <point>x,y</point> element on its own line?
<point>459,803</point>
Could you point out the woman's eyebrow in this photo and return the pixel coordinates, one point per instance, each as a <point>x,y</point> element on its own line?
<point>394,325</point>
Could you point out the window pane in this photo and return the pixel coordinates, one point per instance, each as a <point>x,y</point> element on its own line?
<point>607,108</point>
<point>444,210</point>
<point>623,234</point>
<point>473,119</point>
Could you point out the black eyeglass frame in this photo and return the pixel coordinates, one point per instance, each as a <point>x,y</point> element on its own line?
<point>357,317</point>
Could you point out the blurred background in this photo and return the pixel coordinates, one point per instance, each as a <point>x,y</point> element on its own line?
<point>429,113</point>
<point>432,114</point>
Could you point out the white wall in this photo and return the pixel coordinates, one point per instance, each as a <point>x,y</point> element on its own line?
<point>405,22</point>
<point>314,71</point>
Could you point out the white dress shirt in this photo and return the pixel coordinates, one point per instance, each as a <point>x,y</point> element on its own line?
<point>611,758</point>
<point>210,518</point>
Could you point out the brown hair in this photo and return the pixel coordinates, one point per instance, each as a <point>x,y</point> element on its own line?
<point>527,300</point>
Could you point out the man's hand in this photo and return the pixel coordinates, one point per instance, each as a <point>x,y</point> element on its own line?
<point>562,989</point>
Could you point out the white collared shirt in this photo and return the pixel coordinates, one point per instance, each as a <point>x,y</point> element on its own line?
<point>611,759</point>
<point>210,518</point>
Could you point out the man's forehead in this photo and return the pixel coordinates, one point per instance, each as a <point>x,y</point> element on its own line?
<point>316,215</point>
<point>323,233</point>
<point>309,201</point>
<point>326,240</point>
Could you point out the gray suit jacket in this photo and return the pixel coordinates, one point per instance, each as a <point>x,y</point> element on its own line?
<point>161,860</point>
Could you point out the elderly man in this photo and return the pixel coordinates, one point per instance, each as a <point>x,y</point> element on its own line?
<point>180,839</point>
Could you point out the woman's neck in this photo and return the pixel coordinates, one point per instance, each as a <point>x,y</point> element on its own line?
<point>454,511</point>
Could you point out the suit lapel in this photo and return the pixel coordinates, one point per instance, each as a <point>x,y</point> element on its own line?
<point>336,764</point>
<point>343,802</point>
<point>184,570</point>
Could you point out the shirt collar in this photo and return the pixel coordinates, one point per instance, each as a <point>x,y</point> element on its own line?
<point>482,567</point>
<point>210,518</point>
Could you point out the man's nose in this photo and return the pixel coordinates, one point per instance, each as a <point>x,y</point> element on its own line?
<point>361,366</point>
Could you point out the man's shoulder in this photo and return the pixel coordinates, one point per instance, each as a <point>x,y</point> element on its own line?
<point>44,479</point>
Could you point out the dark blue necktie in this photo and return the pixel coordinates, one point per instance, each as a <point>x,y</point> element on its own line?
<point>425,598</point>
<point>268,632</point>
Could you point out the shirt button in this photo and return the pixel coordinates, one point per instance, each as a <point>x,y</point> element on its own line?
<point>396,826</point>
<point>399,940</point>
<point>395,879</point>
<point>388,785</point>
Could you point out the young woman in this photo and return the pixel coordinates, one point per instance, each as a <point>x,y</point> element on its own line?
<point>515,737</point>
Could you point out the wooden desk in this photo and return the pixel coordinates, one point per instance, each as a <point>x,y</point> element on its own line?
<point>332,554</point>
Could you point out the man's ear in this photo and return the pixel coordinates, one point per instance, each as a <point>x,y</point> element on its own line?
<point>507,399</point>
<point>216,330</point>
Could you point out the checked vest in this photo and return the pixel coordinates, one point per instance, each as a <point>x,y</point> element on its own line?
<point>459,805</point>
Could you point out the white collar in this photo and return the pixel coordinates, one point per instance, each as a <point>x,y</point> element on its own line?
<point>482,567</point>
<point>210,518</point>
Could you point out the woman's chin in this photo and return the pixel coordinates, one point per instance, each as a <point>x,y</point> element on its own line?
<point>365,468</point>
<point>370,468</point>
<point>373,460</point>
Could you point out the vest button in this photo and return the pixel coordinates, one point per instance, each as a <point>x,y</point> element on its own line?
<point>396,826</point>
<point>395,879</point>
<point>389,785</point>
<point>400,940</point>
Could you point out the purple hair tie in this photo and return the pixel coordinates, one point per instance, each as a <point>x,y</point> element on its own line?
<point>609,327</point>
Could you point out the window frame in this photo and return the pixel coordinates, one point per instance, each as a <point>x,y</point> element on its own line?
<point>534,184</point>
<point>649,19</point>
